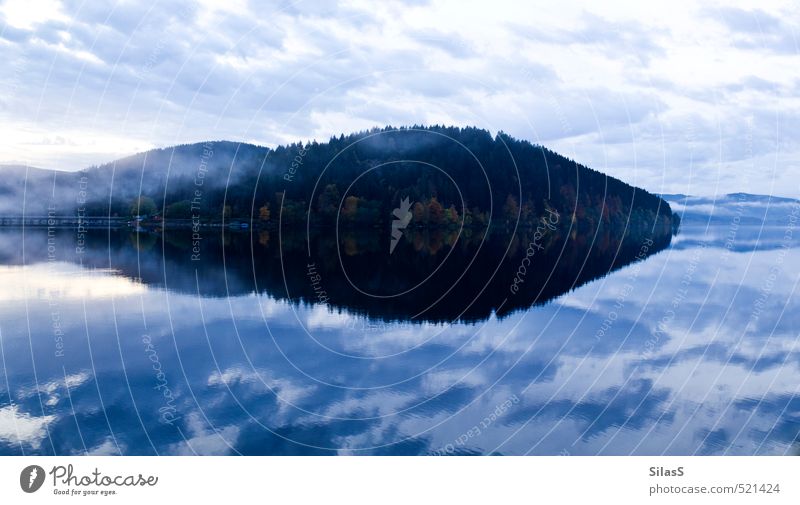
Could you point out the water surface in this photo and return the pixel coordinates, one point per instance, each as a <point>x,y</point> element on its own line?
<point>130,347</point>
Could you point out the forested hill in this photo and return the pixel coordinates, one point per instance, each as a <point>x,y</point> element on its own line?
<point>449,176</point>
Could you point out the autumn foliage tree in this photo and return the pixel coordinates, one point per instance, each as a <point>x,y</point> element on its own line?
<point>435,211</point>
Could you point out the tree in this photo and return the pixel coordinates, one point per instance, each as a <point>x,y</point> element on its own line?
<point>264,213</point>
<point>328,201</point>
<point>452,215</point>
<point>419,213</point>
<point>143,206</point>
<point>350,207</point>
<point>511,208</point>
<point>179,210</point>
<point>435,211</point>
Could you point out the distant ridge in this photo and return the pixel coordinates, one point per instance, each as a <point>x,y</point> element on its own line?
<point>741,208</point>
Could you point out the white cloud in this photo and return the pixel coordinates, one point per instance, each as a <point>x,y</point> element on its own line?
<point>27,14</point>
<point>206,441</point>
<point>22,428</point>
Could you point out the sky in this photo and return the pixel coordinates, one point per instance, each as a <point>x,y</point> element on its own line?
<point>695,98</point>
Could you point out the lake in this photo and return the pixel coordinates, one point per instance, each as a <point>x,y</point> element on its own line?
<point>269,343</point>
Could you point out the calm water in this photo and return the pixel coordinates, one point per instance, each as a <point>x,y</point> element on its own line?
<point>131,347</point>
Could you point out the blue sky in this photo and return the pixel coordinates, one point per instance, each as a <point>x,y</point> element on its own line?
<point>673,96</point>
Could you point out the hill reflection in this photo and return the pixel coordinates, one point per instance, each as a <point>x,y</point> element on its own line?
<point>433,275</point>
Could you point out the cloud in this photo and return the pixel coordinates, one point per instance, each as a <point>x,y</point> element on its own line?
<point>619,89</point>
<point>740,20</point>
<point>620,39</point>
<point>757,29</point>
<point>22,428</point>
<point>205,441</point>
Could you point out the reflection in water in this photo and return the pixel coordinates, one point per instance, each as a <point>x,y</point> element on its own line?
<point>436,275</point>
<point>139,350</point>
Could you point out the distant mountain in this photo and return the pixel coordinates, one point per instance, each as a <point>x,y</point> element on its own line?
<point>734,208</point>
<point>26,187</point>
<point>108,189</point>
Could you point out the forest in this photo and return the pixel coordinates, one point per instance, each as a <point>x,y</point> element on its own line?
<point>455,177</point>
